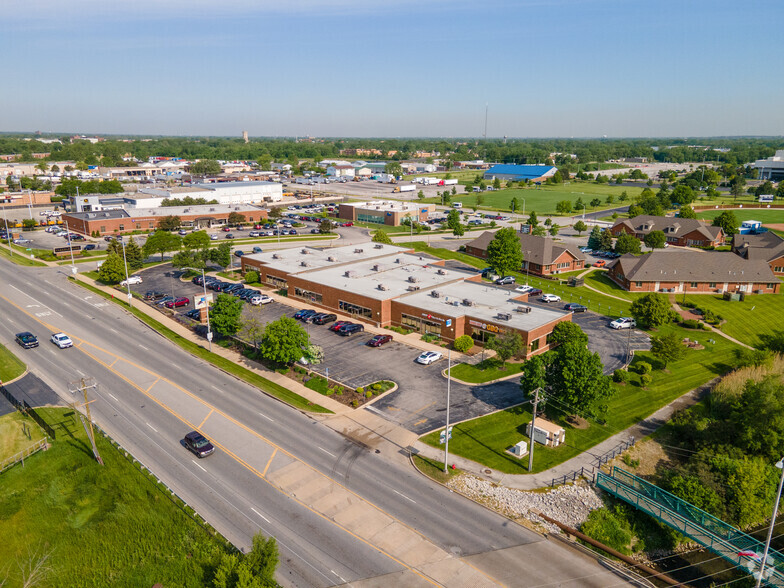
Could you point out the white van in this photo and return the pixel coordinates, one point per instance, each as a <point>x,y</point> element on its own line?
<point>457,205</point>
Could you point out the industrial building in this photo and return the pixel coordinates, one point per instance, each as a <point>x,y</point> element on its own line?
<point>516,173</point>
<point>388,285</point>
<point>223,192</point>
<point>771,168</point>
<point>384,212</point>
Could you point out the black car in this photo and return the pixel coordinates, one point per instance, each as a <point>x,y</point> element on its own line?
<point>574,307</point>
<point>153,295</point>
<point>323,318</point>
<point>89,247</point>
<point>348,330</point>
<point>27,340</point>
<point>198,444</point>
<point>194,313</point>
<point>305,314</point>
<point>239,253</point>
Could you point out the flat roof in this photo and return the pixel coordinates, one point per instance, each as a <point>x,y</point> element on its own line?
<point>487,301</point>
<point>219,185</point>
<point>290,260</point>
<point>194,210</point>
<point>389,205</point>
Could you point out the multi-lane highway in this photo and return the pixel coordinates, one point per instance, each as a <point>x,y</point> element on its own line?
<point>341,512</point>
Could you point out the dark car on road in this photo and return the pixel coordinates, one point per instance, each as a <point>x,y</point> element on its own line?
<point>153,295</point>
<point>350,329</point>
<point>198,444</point>
<point>89,247</point>
<point>574,307</point>
<point>323,318</point>
<point>238,253</point>
<point>379,340</point>
<point>177,302</point>
<point>27,340</point>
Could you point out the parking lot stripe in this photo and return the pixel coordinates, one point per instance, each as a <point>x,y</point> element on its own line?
<point>201,424</point>
<point>266,467</point>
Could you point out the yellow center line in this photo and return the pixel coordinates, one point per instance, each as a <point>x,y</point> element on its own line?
<point>201,424</point>
<point>264,473</point>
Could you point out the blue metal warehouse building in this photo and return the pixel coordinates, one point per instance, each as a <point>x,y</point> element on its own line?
<point>516,173</point>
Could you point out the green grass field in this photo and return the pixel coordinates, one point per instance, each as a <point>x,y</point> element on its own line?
<point>14,437</point>
<point>110,525</point>
<point>10,366</point>
<point>752,321</point>
<point>486,371</point>
<point>486,439</point>
<point>20,256</point>
<point>764,215</point>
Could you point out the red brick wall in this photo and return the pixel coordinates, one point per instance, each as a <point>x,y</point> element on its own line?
<point>143,223</point>
<point>701,287</point>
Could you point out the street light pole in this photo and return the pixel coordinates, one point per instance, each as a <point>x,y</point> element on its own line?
<point>127,283</point>
<point>448,390</point>
<point>7,235</point>
<point>779,465</point>
<point>583,211</point>
<point>70,248</point>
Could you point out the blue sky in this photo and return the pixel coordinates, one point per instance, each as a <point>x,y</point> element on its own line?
<point>545,68</point>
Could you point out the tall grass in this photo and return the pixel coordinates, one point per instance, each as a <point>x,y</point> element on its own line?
<point>732,385</point>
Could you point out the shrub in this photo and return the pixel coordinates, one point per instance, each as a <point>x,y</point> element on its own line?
<point>283,370</point>
<point>251,277</point>
<point>632,463</point>
<point>643,367</point>
<point>463,343</point>
<point>610,527</point>
<point>369,394</point>
<point>620,376</point>
<point>645,380</point>
<point>376,387</point>
<point>355,403</point>
<point>360,390</point>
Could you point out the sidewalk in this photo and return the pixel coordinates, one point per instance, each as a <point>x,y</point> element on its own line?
<point>685,314</point>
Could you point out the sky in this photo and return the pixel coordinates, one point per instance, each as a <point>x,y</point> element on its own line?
<point>394,68</point>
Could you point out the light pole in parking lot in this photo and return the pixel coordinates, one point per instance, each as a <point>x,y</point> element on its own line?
<point>206,305</point>
<point>70,248</point>
<point>7,234</point>
<point>127,282</point>
<point>448,390</point>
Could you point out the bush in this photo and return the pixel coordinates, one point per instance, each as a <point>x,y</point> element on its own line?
<point>283,371</point>
<point>643,367</point>
<point>694,324</point>
<point>609,527</point>
<point>252,277</point>
<point>645,380</point>
<point>369,394</point>
<point>355,403</point>
<point>360,390</point>
<point>463,343</point>
<point>620,376</point>
<point>376,387</point>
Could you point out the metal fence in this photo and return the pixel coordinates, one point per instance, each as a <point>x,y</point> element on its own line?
<point>590,471</point>
<point>22,455</point>
<point>30,411</point>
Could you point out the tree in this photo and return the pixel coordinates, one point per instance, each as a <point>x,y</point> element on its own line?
<point>325,226</point>
<point>161,242</point>
<point>226,314</point>
<point>623,197</point>
<point>112,270</point>
<point>578,204</point>
<point>538,231</point>
<point>463,343</point>
<point>553,230</point>
<point>458,230</point>
<point>563,207</point>
<point>655,240</point>
<point>453,219</point>
<point>506,345</point>
<point>596,202</point>
<point>252,324</point>
<point>682,194</point>
<point>627,244</point>
<point>532,220</point>
<point>651,310</point>
<point>197,240</point>
<point>580,227</point>
<point>421,195</point>
<point>686,211</point>
<point>284,341</point>
<point>736,186</point>
<point>504,253</point>
<point>576,379</point>
<point>205,167</point>
<point>635,210</point>
<point>557,178</point>
<point>667,348</point>
<point>392,168</point>
<point>605,240</point>
<point>728,222</point>
<point>595,238</point>
<point>263,559</point>
<point>275,213</point>
<point>29,224</point>
<point>567,332</point>
<point>480,199</point>
<point>381,236</point>
<point>170,223</point>
<point>133,256</point>
<point>535,373</point>
<point>236,218</point>
<point>496,184</point>
<point>513,204</point>
<point>221,254</point>
<point>610,199</point>
<point>256,569</point>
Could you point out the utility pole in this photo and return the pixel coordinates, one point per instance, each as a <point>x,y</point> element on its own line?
<point>82,386</point>
<point>533,423</point>
<point>448,390</point>
<point>70,248</point>
<point>7,234</point>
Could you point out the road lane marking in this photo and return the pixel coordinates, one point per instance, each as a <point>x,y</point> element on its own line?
<point>264,473</point>
<point>404,496</point>
<point>149,425</point>
<point>419,422</point>
<point>261,515</point>
<point>218,389</point>
<point>113,396</point>
<point>115,361</point>
<point>201,468</point>
<point>327,452</point>
<point>339,576</point>
<point>205,419</point>
<point>143,347</point>
<point>81,373</point>
<point>266,417</point>
<point>38,303</point>
<point>151,385</point>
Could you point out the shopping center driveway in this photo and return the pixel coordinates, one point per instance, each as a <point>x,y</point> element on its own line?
<point>613,346</point>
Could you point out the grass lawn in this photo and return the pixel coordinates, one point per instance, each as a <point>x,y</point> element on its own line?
<point>218,361</point>
<point>485,371</point>
<point>20,257</point>
<point>543,199</point>
<point>601,282</point>
<point>10,366</point>
<point>110,525</point>
<point>485,439</point>
<point>12,436</point>
<point>752,321</point>
<point>764,215</point>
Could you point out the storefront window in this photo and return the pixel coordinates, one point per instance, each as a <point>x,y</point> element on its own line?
<point>355,309</point>
<point>313,297</point>
<point>421,325</point>
<point>279,283</point>
<point>370,218</point>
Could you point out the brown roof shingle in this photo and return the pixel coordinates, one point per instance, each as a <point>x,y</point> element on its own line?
<point>671,226</point>
<point>539,250</point>
<point>692,266</point>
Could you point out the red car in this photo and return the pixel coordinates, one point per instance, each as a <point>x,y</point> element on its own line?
<point>226,229</point>
<point>379,340</point>
<point>177,302</point>
<point>337,325</point>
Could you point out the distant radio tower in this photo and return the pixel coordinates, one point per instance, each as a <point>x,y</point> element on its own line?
<point>486,107</point>
<point>245,136</point>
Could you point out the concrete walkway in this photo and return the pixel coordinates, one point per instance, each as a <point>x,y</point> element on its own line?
<point>685,314</point>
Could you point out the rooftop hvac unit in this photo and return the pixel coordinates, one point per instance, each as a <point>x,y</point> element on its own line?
<point>435,294</point>
<point>331,258</point>
<point>468,302</point>
<point>376,268</point>
<point>379,246</point>
<point>275,256</point>
<point>397,260</point>
<point>305,251</point>
<point>504,316</point>
<point>236,208</point>
<point>381,286</point>
<point>441,272</point>
<point>350,274</point>
<point>359,250</point>
<point>413,279</point>
<point>304,264</point>
<point>212,210</point>
<point>523,309</point>
<point>413,288</point>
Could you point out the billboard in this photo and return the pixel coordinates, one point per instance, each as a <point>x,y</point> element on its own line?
<point>202,300</point>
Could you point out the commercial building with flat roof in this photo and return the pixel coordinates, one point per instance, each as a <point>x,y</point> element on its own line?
<point>384,212</point>
<point>771,168</point>
<point>515,173</point>
<point>388,285</point>
<point>254,192</point>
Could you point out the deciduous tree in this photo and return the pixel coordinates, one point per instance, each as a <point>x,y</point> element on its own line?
<point>667,348</point>
<point>651,310</point>
<point>580,227</point>
<point>728,222</point>
<point>381,236</point>
<point>112,270</point>
<point>655,240</point>
<point>226,314</point>
<point>504,253</point>
<point>627,244</point>
<point>506,345</point>
<point>284,341</point>
<point>161,242</point>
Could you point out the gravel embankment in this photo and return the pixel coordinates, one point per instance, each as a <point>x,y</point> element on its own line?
<point>568,504</point>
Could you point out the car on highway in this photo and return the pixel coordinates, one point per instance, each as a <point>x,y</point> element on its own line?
<point>350,329</point>
<point>323,318</point>
<point>131,281</point>
<point>379,340</point>
<point>239,253</point>
<point>27,340</point>
<point>506,280</point>
<point>574,307</point>
<point>623,323</point>
<point>62,340</point>
<point>428,357</point>
<point>260,299</point>
<point>177,302</point>
<point>257,250</point>
<point>550,298</point>
<point>153,295</point>
<point>198,444</point>
<point>229,236</point>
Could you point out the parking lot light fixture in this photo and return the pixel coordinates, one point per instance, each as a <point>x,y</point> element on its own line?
<point>127,282</point>
<point>206,306</point>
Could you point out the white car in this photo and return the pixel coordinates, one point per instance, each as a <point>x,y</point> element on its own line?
<point>428,357</point>
<point>262,299</point>
<point>213,237</point>
<point>131,281</point>
<point>623,323</point>
<point>524,289</point>
<point>62,340</point>
<point>550,298</point>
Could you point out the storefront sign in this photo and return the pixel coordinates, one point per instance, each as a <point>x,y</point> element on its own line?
<point>448,322</point>
<point>430,317</point>
<point>485,326</point>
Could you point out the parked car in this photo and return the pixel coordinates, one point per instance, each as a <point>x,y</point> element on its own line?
<point>623,323</point>
<point>550,298</point>
<point>214,237</point>
<point>27,340</point>
<point>338,324</point>
<point>350,329</point>
<point>229,236</point>
<point>257,250</point>
<point>254,234</point>
<point>131,281</point>
<point>177,302</point>
<point>89,247</point>
<point>260,299</point>
<point>152,295</point>
<point>505,280</point>
<point>62,340</point>
<point>428,357</point>
<point>182,232</point>
<point>194,313</point>
<point>586,250</point>
<point>198,444</point>
<point>164,300</point>
<point>108,238</point>
<point>600,263</point>
<point>304,314</point>
<point>524,289</point>
<point>226,229</point>
<point>574,307</point>
<point>379,340</point>
<point>324,318</point>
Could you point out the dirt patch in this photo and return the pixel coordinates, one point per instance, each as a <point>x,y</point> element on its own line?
<point>775,226</point>
<point>577,422</point>
<point>647,454</point>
